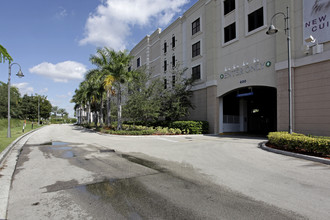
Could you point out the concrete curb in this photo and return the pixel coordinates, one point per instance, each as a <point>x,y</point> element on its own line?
<point>6,151</point>
<point>291,154</point>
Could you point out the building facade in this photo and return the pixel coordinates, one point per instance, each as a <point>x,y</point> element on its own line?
<point>241,72</point>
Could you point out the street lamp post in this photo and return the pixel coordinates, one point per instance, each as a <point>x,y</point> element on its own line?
<point>20,75</point>
<point>273,30</point>
<point>38,110</point>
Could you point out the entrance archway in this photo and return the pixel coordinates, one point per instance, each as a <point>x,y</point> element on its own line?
<point>250,109</point>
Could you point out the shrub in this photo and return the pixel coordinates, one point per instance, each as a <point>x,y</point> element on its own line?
<point>174,131</point>
<point>161,130</point>
<point>311,144</point>
<point>126,132</point>
<point>191,127</point>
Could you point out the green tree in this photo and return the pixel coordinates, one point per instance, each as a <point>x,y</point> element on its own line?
<point>29,107</point>
<point>54,110</point>
<point>95,88</point>
<point>62,112</point>
<point>143,101</point>
<point>102,74</point>
<point>112,69</point>
<point>77,98</point>
<point>108,85</point>
<point>120,62</point>
<point>176,101</point>
<point>15,110</point>
<point>45,107</point>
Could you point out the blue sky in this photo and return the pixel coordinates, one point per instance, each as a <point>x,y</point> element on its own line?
<point>52,40</point>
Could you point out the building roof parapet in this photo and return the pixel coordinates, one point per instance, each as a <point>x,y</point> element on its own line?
<point>195,7</point>
<point>169,28</point>
<point>143,43</point>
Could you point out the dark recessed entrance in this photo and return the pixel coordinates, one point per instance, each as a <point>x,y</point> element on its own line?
<point>250,109</point>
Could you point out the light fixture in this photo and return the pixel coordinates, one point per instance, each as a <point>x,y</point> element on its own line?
<point>317,48</point>
<point>20,74</point>
<point>310,39</point>
<point>272,30</point>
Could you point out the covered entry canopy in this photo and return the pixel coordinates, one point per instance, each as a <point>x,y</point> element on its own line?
<point>249,109</point>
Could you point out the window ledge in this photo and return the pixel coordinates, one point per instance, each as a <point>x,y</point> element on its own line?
<point>198,82</point>
<point>229,42</point>
<point>255,30</point>
<point>196,34</point>
<point>196,58</point>
<point>229,13</point>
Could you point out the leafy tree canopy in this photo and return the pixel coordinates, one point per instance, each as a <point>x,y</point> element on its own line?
<point>15,110</point>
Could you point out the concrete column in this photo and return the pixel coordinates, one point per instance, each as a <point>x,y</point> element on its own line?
<point>220,115</point>
<point>242,115</point>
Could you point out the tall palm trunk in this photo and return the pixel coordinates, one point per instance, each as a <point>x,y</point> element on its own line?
<point>80,113</point>
<point>108,109</point>
<point>119,127</point>
<point>88,113</point>
<point>96,118</point>
<point>101,112</point>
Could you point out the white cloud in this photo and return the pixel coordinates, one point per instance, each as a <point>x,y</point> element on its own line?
<point>60,72</point>
<point>113,20</point>
<point>61,13</point>
<point>24,88</point>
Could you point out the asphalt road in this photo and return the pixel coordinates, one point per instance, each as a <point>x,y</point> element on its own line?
<point>65,172</point>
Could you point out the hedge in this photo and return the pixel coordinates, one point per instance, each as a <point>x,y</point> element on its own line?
<point>310,144</point>
<point>187,127</point>
<point>126,132</point>
<point>191,127</point>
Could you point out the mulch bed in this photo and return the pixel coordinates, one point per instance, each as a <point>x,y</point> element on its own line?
<point>299,151</point>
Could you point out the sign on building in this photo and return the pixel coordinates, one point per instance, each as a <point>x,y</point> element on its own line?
<point>317,20</point>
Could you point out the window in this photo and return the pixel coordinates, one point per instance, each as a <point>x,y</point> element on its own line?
<point>196,72</point>
<point>173,41</point>
<point>165,83</point>
<point>129,69</point>
<point>256,19</point>
<point>138,62</point>
<point>173,81</point>
<point>165,65</point>
<point>228,6</point>
<point>173,61</point>
<point>230,32</point>
<point>165,47</point>
<point>195,26</point>
<point>196,49</point>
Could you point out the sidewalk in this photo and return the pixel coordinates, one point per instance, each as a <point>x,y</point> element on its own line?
<point>8,160</point>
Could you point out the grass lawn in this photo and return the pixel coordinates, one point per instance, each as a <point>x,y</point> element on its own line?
<point>16,131</point>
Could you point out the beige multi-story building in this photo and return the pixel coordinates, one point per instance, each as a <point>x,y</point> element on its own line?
<point>241,72</point>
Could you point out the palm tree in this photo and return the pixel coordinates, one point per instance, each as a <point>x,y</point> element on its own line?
<point>79,100</point>
<point>62,112</point>
<point>110,76</point>
<point>95,90</point>
<point>120,62</point>
<point>55,110</point>
<point>4,55</point>
<point>102,60</point>
<point>108,85</point>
